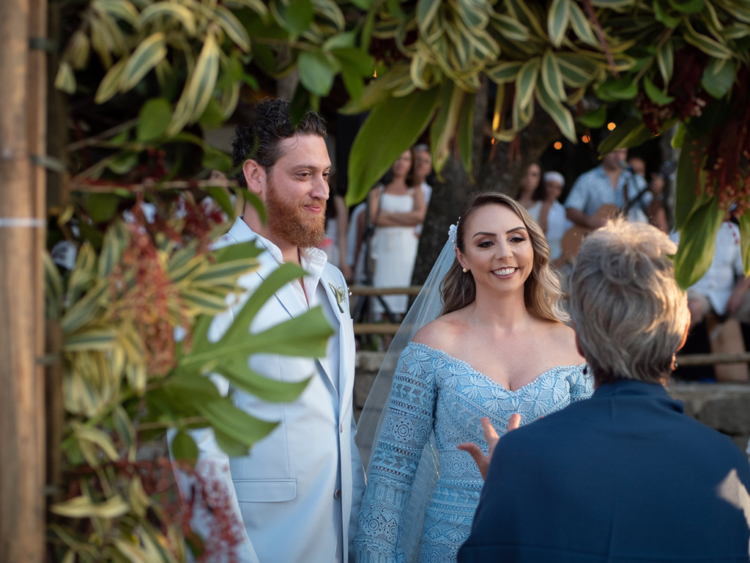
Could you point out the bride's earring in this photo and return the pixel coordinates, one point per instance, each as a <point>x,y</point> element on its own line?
<point>674,362</point>
<point>465,270</point>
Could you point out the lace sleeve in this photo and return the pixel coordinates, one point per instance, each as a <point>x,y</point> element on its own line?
<point>581,384</point>
<point>407,427</point>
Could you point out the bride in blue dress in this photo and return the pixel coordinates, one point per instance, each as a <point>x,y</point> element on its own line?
<point>485,338</point>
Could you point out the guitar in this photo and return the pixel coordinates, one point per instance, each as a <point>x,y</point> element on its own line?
<point>573,237</point>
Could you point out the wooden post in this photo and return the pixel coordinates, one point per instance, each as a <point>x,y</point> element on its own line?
<point>22,126</point>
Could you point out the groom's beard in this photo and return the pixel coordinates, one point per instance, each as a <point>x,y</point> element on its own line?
<point>289,220</point>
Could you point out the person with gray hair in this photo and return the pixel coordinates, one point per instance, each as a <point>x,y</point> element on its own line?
<point>625,476</point>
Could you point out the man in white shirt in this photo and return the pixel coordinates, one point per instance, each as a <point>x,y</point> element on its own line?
<point>299,490</point>
<point>723,292</point>
<point>723,288</point>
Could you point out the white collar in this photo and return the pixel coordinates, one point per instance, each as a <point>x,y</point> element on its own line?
<point>313,260</point>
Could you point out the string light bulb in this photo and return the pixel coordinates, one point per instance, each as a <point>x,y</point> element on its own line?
<point>557,145</point>
<point>611,126</point>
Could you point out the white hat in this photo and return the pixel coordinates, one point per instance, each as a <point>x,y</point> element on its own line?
<point>554,177</point>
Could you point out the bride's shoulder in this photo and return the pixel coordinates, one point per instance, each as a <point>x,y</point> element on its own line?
<point>564,338</point>
<point>439,333</point>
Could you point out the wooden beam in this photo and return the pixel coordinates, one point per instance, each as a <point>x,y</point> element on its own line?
<point>712,359</point>
<point>369,290</point>
<point>376,328</point>
<point>22,126</point>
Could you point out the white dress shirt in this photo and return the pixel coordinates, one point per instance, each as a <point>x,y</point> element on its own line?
<point>719,281</point>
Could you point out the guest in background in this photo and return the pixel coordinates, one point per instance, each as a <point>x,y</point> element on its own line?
<point>529,185</point>
<point>422,168</point>
<point>721,298</point>
<point>395,209</point>
<point>550,213</point>
<point>638,166</point>
<point>625,476</point>
<point>336,240</point>
<point>610,183</point>
<point>657,214</point>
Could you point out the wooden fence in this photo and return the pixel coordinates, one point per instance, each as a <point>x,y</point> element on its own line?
<point>392,328</point>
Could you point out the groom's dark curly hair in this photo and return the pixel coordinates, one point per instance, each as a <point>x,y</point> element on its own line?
<point>261,141</point>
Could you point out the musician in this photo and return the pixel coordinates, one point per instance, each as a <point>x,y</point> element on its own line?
<point>612,182</point>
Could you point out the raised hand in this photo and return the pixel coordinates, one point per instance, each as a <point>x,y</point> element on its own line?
<point>483,461</point>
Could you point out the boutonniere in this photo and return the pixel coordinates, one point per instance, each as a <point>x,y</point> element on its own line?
<point>340,294</point>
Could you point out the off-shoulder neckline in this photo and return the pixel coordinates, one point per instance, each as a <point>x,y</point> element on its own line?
<point>487,377</point>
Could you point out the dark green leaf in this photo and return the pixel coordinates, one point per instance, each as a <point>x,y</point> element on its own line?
<point>212,117</point>
<point>214,159</point>
<point>230,446</point>
<point>688,7</point>
<point>296,15</point>
<point>718,77</point>
<point>596,118</point>
<point>124,162</point>
<point>697,243</point>
<point>631,133</point>
<point>615,89</point>
<point>255,201</point>
<point>238,251</point>
<point>154,119</point>
<point>679,136</point>
<point>689,191</point>
<point>305,336</point>
<point>391,128</point>
<point>664,17</point>
<point>394,7</point>
<point>184,448</point>
<point>102,207</point>
<point>656,95</point>
<point>317,71</point>
<point>221,197</point>
<point>241,376</point>
<point>466,133</point>
<point>356,60</point>
<point>234,423</point>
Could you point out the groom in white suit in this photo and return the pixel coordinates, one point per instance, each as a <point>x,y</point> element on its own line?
<point>299,490</point>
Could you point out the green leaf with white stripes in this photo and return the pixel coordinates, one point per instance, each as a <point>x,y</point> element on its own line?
<point>504,72</point>
<point>581,26</point>
<point>557,111</point>
<point>145,57</point>
<point>551,76</point>
<point>168,10</point>
<point>705,43</point>
<point>526,82</point>
<point>233,28</point>
<point>665,59</point>
<point>557,21</point>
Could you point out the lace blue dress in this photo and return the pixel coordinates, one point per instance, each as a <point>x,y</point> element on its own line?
<point>434,391</point>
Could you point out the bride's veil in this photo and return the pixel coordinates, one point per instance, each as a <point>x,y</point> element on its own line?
<point>426,308</point>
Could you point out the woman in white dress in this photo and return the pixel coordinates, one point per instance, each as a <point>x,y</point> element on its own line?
<point>530,183</point>
<point>395,209</point>
<point>550,214</point>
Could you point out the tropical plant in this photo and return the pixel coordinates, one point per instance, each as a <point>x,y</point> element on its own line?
<point>144,78</point>
<point>135,319</point>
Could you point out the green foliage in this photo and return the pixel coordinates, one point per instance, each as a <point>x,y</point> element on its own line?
<point>400,119</point>
<point>697,243</point>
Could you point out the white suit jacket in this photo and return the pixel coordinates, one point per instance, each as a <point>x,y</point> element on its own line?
<point>299,490</point>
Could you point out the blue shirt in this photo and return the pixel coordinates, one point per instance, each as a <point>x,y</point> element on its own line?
<point>594,189</point>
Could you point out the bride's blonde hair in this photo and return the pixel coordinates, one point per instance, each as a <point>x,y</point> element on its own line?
<point>542,292</point>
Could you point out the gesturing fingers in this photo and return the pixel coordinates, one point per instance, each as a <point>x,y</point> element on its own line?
<point>482,461</point>
<point>514,422</point>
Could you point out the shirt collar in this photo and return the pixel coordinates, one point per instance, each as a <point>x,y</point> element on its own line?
<point>312,260</point>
